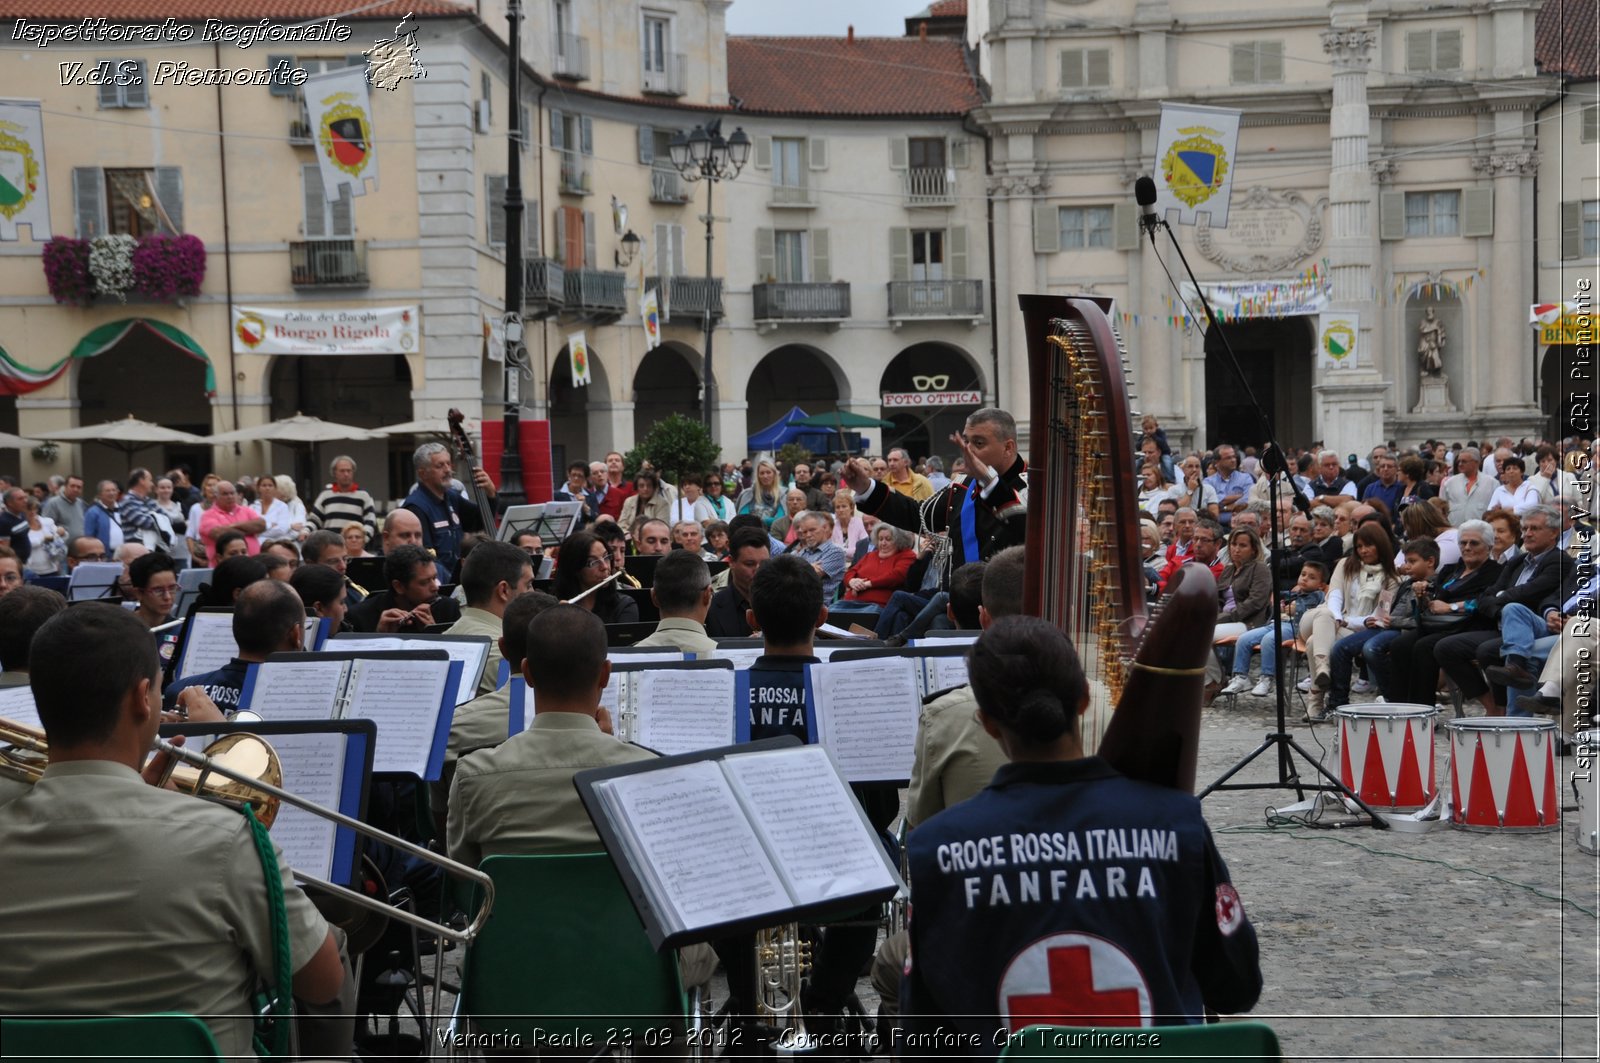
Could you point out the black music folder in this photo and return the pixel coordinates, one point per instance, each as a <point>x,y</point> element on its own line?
<point>737,839</point>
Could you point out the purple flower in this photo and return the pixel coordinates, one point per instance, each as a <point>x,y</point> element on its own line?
<point>66,270</point>
<point>169,267</point>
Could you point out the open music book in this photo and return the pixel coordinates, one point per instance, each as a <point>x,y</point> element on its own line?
<point>864,712</point>
<point>408,694</point>
<point>941,663</point>
<point>329,763</point>
<point>736,839</point>
<point>471,650</point>
<point>671,707</point>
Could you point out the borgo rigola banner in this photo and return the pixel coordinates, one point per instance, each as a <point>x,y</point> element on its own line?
<point>358,330</point>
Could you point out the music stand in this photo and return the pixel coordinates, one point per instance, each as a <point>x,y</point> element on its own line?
<point>94,580</point>
<point>552,522</point>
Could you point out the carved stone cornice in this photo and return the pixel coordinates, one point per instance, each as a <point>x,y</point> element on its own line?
<point>1017,184</point>
<point>1383,170</point>
<point>1268,261</point>
<point>1507,164</point>
<point>1351,48</point>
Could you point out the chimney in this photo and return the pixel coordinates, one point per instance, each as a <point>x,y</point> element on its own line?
<point>850,35</point>
<point>922,31</point>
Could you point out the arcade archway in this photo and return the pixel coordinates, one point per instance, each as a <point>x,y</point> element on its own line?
<point>789,376</point>
<point>666,382</point>
<point>934,386</point>
<point>365,390</point>
<point>141,372</point>
<point>570,409</point>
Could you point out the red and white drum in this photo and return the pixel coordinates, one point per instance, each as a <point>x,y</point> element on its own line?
<point>1586,781</point>
<point>1503,774</point>
<point>1386,754</point>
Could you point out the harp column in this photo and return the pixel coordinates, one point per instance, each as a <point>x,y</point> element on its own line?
<point>1350,397</point>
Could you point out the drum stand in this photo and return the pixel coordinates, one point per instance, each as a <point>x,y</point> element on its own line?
<point>1273,460</point>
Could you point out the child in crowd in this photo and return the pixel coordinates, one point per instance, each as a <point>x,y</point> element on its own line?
<point>1370,644</point>
<point>1310,590</point>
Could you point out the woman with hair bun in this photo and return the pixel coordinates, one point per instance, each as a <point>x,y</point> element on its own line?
<point>1065,892</point>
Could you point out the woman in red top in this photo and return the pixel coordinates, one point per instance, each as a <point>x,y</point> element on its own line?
<point>882,571</point>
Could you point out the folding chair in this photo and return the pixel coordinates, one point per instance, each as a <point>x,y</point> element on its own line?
<point>1192,1044</point>
<point>168,1036</point>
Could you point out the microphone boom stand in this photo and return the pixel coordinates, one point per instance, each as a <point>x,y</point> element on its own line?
<point>1277,467</point>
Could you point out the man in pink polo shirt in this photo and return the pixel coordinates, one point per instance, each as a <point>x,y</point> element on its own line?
<point>228,513</point>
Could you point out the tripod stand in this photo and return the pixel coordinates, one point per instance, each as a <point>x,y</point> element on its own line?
<point>1273,460</point>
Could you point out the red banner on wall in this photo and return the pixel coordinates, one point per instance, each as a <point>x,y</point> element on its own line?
<point>533,443</point>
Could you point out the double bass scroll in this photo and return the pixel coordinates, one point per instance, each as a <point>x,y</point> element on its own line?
<point>462,444</point>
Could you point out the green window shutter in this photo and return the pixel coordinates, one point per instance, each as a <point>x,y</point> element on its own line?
<point>586,135</point>
<point>1571,229</point>
<point>1125,227</point>
<point>956,249</point>
<point>1419,51</point>
<point>1242,63</point>
<point>558,131</point>
<point>530,228</point>
<point>109,97</point>
<point>281,85</point>
<point>821,271</point>
<point>89,201</point>
<point>647,144</point>
<point>1046,229</point>
<point>590,259</point>
<point>960,152</point>
<point>1098,72</point>
<point>1391,215</point>
<point>1591,124</point>
<point>1072,68</point>
<point>169,189</point>
<point>766,255</point>
<point>763,153</point>
<point>1271,54</point>
<point>1477,212</point>
<point>494,197</point>
<point>817,153</point>
<point>1447,50</point>
<point>899,153</point>
<point>316,223</point>
<point>899,254</point>
<point>342,216</point>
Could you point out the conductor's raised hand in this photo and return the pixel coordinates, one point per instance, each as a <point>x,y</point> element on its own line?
<point>858,475</point>
<point>977,470</point>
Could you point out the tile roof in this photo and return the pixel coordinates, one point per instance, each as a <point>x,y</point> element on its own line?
<point>851,76</point>
<point>1566,39</point>
<point>948,9</point>
<point>227,10</point>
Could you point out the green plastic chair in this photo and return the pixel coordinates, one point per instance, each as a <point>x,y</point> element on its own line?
<point>564,952</point>
<point>145,1037</point>
<point>1211,1042</point>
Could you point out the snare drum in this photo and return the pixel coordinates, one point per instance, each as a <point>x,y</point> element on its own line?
<point>1386,754</point>
<point>1586,783</point>
<point>1503,774</point>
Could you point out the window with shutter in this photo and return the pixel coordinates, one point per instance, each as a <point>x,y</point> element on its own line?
<point>1419,50</point>
<point>647,145</point>
<point>1085,68</point>
<point>788,164</point>
<point>1046,230</point>
<point>818,153</point>
<point>136,201</point>
<point>590,259</point>
<point>899,152</point>
<point>1124,227</point>
<point>899,254</point>
<point>789,255</point>
<point>531,229</point>
<point>1591,124</point>
<point>586,135</point>
<point>1477,212</point>
<point>1256,62</point>
<point>956,240</point>
<point>1591,228</point>
<point>1429,51</point>
<point>122,83</point>
<point>325,219</point>
<point>169,194</point>
<point>928,262</point>
<point>821,267</point>
<point>88,201</point>
<point>763,153</point>
<point>573,238</point>
<point>558,129</point>
<point>960,153</point>
<point>494,213</point>
<point>1084,227</point>
<point>1433,213</point>
<point>1097,71</point>
<point>1447,50</point>
<point>1391,215</point>
<point>1571,229</point>
<point>766,255</point>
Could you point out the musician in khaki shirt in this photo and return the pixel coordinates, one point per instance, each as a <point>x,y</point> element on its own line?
<point>123,898</point>
<point>492,575</point>
<point>682,592</point>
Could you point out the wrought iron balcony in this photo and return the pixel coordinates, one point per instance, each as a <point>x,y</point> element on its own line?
<point>802,302</point>
<point>665,75</point>
<point>929,187</point>
<point>936,299</point>
<point>687,297</point>
<point>666,186</point>
<point>300,132</point>
<point>572,57</point>
<point>791,196</point>
<point>328,263</point>
<point>544,289</point>
<point>595,294</point>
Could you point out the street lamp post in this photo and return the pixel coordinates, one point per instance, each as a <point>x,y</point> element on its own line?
<point>512,492</point>
<point>703,155</point>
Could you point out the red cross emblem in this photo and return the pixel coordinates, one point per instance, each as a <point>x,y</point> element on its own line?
<point>1073,976</point>
<point>1230,910</point>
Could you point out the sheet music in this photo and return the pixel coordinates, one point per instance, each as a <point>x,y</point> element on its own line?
<point>645,656</point>
<point>811,823</point>
<point>402,698</point>
<point>610,699</point>
<point>16,705</point>
<point>836,632</point>
<point>707,864</point>
<point>866,713</point>
<point>684,710</point>
<point>825,649</point>
<point>946,638</point>
<point>297,690</point>
<point>313,768</point>
<point>94,580</point>
<point>741,656</point>
<point>209,644</point>
<point>472,656</point>
<point>946,672</point>
<point>308,636</point>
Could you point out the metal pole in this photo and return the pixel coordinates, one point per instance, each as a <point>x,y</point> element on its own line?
<point>511,492</point>
<point>708,402</point>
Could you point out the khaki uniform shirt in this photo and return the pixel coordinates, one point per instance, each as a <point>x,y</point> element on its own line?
<point>123,898</point>
<point>680,633</point>
<point>955,757</point>
<point>482,622</point>
<point>518,798</point>
<point>481,723</point>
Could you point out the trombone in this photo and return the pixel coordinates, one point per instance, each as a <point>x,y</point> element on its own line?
<point>264,797</point>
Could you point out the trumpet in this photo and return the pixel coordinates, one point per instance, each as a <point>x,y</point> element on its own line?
<point>243,769</point>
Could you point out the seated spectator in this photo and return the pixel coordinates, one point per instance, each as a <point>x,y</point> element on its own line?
<point>1364,583</point>
<point>1309,592</point>
<point>1153,487</point>
<point>849,530</point>
<point>1514,493</point>
<point>717,539</point>
<point>1421,561</point>
<point>1206,548</point>
<point>1193,491</point>
<point>1443,611</point>
<point>1244,595</point>
<point>794,504</point>
<point>869,582</point>
<point>815,548</point>
<point>230,543</point>
<point>355,540</point>
<point>1427,521</point>
<point>1507,535</point>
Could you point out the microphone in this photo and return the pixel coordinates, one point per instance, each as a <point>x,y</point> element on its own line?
<point>1144,192</point>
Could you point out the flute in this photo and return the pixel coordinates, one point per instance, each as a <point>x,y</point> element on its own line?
<point>579,597</point>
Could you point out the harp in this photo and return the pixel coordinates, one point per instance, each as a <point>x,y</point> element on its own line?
<point>1085,571</point>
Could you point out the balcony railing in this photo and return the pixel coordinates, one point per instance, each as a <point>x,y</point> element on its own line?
<point>936,299</point>
<point>792,196</point>
<point>667,187</point>
<point>575,177</point>
<point>686,298</point>
<point>597,294</point>
<point>300,132</point>
<point>543,286</point>
<point>665,75</point>
<point>802,302</point>
<point>328,263</point>
<point>572,57</point>
<point>929,187</point>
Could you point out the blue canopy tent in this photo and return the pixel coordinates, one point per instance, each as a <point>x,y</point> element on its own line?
<point>790,429</point>
<point>779,432</point>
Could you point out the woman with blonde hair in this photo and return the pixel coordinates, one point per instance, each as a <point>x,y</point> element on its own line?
<point>1363,585</point>
<point>297,509</point>
<point>848,527</point>
<point>763,498</point>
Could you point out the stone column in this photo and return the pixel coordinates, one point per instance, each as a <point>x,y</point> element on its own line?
<point>1017,273</point>
<point>1511,341</point>
<point>1350,398</point>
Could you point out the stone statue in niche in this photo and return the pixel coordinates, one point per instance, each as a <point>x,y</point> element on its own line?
<point>1430,344</point>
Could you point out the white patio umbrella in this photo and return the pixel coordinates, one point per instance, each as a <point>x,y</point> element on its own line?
<point>427,426</point>
<point>298,429</point>
<point>11,442</point>
<point>129,434</point>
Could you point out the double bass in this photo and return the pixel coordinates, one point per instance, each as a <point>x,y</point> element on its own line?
<point>461,443</point>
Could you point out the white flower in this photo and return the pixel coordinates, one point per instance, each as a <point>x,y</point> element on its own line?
<point>111,264</point>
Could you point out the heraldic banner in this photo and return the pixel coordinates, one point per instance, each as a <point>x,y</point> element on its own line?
<point>341,125</point>
<point>1195,160</point>
<point>1337,338</point>
<point>23,196</point>
<point>650,314</point>
<point>578,349</point>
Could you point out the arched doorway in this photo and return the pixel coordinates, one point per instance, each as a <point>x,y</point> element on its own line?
<point>1275,354</point>
<point>789,376</point>
<point>138,371</point>
<point>667,382</point>
<point>934,375</point>
<point>1568,403</point>
<point>571,412</point>
<point>365,390</point>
